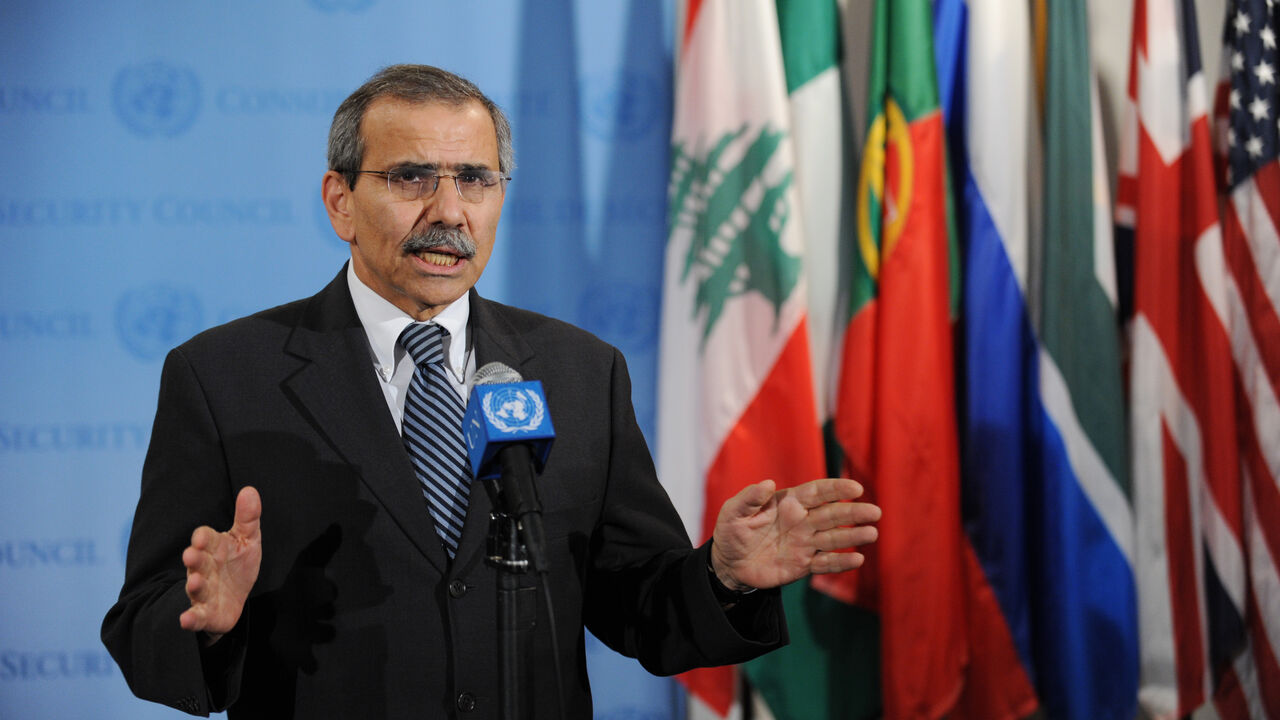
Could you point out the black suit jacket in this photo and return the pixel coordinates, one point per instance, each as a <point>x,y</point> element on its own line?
<point>356,611</point>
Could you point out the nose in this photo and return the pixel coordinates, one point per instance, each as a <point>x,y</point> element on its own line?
<point>445,204</point>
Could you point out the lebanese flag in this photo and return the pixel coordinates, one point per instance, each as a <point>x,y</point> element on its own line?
<point>736,399</point>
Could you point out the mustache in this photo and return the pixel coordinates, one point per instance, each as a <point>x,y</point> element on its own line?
<point>439,237</point>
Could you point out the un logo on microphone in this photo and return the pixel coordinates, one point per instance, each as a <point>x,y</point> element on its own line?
<point>156,98</point>
<point>514,410</point>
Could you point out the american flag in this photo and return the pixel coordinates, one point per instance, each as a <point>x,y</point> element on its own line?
<point>1249,140</point>
<point>1205,361</point>
<point>1248,133</point>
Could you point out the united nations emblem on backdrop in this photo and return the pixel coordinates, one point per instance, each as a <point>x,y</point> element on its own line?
<point>156,98</point>
<point>152,320</point>
<point>622,313</point>
<point>622,107</point>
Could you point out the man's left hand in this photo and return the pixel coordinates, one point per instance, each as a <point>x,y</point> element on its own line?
<point>766,537</point>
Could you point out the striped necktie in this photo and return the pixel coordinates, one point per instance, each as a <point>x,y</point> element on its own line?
<point>432,432</point>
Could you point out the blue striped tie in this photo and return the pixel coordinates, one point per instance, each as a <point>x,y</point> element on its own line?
<point>432,431</point>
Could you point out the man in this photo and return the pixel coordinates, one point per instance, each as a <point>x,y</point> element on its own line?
<point>344,587</point>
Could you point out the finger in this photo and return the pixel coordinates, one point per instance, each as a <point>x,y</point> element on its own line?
<point>845,538</point>
<point>190,619</point>
<point>827,490</point>
<point>196,584</point>
<point>834,562</point>
<point>194,560</point>
<point>843,513</point>
<point>203,538</point>
<point>248,514</point>
<point>751,498</point>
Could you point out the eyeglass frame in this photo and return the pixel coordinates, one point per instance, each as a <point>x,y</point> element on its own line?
<point>499,179</point>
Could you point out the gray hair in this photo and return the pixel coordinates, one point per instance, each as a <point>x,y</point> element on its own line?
<point>415,84</point>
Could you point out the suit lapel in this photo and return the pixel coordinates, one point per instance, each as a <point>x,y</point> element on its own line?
<point>337,392</point>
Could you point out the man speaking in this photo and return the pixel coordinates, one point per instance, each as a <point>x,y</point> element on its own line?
<point>308,543</point>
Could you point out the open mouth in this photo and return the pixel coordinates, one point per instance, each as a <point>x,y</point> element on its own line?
<point>435,257</point>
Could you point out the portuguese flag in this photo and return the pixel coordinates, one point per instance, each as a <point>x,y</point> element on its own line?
<point>895,407</point>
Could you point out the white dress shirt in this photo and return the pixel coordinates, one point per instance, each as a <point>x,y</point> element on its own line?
<point>383,323</point>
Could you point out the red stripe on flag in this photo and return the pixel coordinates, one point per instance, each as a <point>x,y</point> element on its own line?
<point>1267,179</point>
<point>715,686</point>
<point>1264,658</point>
<point>855,400</point>
<point>777,436</point>
<point>996,684</point>
<point>1138,48</point>
<point>1264,323</point>
<point>1265,495</point>
<point>1184,588</point>
<point>1228,697</point>
<point>1169,292</point>
<point>691,15</point>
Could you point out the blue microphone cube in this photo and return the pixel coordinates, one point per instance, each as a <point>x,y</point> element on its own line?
<point>501,414</point>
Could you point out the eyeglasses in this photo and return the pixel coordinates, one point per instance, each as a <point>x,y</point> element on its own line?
<point>413,182</point>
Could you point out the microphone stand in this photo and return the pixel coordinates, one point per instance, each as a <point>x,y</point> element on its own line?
<point>517,607</point>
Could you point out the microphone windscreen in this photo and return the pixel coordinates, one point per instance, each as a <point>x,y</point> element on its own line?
<point>496,373</point>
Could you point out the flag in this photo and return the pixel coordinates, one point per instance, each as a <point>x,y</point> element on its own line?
<point>895,410</point>
<point>1188,399</point>
<point>1248,110</point>
<point>1051,592</point>
<point>830,669</point>
<point>736,399</point>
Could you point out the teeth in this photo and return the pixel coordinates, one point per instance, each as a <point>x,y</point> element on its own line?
<point>439,258</point>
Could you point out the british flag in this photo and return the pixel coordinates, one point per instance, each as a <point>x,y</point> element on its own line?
<point>1205,361</point>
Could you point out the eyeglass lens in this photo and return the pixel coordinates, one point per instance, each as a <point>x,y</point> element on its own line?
<point>411,184</point>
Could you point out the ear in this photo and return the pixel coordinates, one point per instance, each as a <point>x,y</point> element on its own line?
<point>337,202</point>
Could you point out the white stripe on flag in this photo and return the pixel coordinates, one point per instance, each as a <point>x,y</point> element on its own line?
<point>1252,370</point>
<point>1086,464</point>
<point>1104,249</point>
<point>1211,271</point>
<point>1264,242</point>
<point>817,127</point>
<point>1262,565</point>
<point>1247,675</point>
<point>999,106</point>
<point>1166,112</point>
<point>1159,690</point>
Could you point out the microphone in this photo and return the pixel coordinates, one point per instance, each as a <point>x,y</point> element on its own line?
<point>508,433</point>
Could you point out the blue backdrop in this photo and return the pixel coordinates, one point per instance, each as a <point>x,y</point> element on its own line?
<point>162,166</point>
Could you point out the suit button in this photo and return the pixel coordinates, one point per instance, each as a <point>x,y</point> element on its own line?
<point>466,702</point>
<point>457,588</point>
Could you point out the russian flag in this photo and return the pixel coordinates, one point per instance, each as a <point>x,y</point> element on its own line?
<point>1044,482</point>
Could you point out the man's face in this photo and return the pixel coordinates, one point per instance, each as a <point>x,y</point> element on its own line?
<point>389,235</point>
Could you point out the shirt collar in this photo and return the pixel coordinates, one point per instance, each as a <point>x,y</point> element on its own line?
<point>383,323</point>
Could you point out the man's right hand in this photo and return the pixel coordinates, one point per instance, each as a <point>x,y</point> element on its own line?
<point>221,569</point>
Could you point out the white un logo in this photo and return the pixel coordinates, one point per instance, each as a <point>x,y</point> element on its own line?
<point>156,98</point>
<point>514,410</point>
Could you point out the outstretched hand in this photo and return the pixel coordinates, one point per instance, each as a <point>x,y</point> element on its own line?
<point>221,569</point>
<point>766,538</point>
